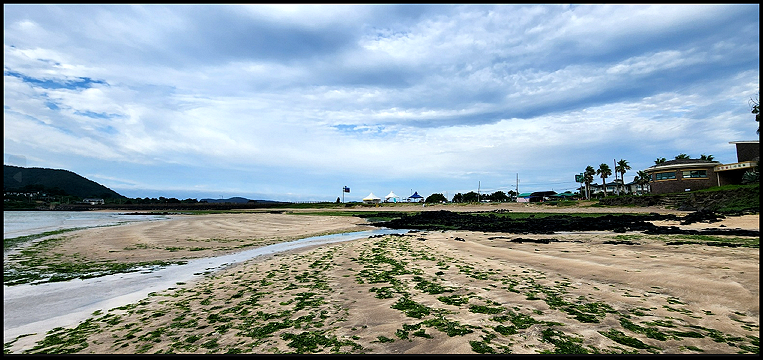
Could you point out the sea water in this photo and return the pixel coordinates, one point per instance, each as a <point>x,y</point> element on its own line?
<point>22,223</point>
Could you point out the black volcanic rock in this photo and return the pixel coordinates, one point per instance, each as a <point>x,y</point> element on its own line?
<point>447,220</point>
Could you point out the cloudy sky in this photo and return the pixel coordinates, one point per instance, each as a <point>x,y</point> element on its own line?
<point>293,102</point>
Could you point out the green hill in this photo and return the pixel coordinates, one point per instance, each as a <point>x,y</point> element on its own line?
<point>53,181</point>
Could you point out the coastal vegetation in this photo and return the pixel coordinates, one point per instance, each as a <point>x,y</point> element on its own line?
<point>301,304</point>
<point>11,243</point>
<point>604,171</point>
<point>727,199</point>
<point>34,264</point>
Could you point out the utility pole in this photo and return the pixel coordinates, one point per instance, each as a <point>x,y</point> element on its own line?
<point>517,184</point>
<point>478,191</point>
<point>617,188</point>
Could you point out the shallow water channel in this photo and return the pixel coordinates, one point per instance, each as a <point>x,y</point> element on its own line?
<point>29,309</point>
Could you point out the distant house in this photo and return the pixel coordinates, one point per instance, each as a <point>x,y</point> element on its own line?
<point>636,189</point>
<point>612,187</point>
<point>541,196</point>
<point>537,196</point>
<point>567,195</point>
<point>616,187</point>
<point>523,197</point>
<point>93,201</point>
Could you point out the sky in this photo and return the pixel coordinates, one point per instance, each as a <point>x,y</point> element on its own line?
<point>295,102</point>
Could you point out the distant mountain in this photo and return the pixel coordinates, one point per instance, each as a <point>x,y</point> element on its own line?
<point>53,181</point>
<point>234,200</point>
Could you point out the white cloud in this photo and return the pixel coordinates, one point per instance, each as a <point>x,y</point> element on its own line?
<point>444,95</point>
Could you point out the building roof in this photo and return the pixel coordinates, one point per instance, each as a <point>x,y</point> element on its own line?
<point>611,183</point>
<point>564,194</point>
<point>678,163</point>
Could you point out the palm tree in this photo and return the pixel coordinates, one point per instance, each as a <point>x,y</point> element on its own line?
<point>642,178</point>
<point>604,171</point>
<point>622,167</point>
<point>659,161</point>
<point>755,109</point>
<point>682,156</point>
<point>588,179</point>
<point>706,157</point>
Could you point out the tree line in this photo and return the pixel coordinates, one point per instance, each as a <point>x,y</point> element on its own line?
<point>470,197</point>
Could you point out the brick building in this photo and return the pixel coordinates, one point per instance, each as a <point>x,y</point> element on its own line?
<point>694,174</point>
<point>682,175</point>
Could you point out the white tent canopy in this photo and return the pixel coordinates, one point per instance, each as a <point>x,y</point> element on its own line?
<point>371,198</point>
<point>392,197</point>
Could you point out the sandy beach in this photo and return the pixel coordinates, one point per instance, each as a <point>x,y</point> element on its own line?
<point>425,292</point>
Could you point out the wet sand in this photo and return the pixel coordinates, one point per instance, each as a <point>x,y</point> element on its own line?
<point>451,292</point>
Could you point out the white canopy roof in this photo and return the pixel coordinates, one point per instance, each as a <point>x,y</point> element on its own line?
<point>371,196</point>
<point>391,195</point>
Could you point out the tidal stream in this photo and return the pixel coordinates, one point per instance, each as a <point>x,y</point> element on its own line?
<point>36,309</point>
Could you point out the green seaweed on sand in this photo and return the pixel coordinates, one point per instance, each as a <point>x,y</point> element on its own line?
<point>411,308</point>
<point>455,300</point>
<point>481,347</point>
<point>11,243</point>
<point>66,341</point>
<point>451,328</point>
<point>482,309</point>
<point>565,344</point>
<point>620,337</point>
<point>311,342</point>
<point>33,264</point>
<point>650,332</point>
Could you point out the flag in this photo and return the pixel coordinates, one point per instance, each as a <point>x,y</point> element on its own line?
<point>346,189</point>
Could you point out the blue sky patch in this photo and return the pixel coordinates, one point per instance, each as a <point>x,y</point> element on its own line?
<point>73,84</point>
<point>96,115</point>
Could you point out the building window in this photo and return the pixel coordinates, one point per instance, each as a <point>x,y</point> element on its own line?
<point>694,174</point>
<point>665,176</point>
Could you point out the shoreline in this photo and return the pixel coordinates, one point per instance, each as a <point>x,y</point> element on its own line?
<point>217,232</point>
<point>63,224</point>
